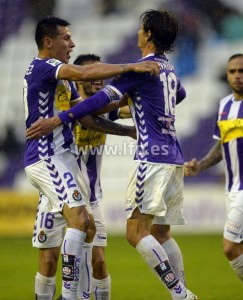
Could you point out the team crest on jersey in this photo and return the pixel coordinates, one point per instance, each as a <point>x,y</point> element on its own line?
<point>53,62</point>
<point>42,236</point>
<point>77,196</point>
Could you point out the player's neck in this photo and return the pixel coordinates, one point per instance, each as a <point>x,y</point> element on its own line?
<point>149,48</point>
<point>238,97</point>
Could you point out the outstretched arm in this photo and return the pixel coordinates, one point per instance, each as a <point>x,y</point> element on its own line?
<point>214,156</point>
<point>101,124</point>
<point>103,71</point>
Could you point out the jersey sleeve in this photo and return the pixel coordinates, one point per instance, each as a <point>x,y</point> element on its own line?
<point>180,93</point>
<point>48,70</point>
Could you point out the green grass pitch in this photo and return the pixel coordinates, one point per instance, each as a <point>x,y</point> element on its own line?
<point>208,273</point>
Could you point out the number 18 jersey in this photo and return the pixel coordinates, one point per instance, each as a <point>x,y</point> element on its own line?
<point>153,101</point>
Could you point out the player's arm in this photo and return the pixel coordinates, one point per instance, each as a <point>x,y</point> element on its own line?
<point>102,71</point>
<point>101,124</point>
<point>44,126</point>
<point>214,156</point>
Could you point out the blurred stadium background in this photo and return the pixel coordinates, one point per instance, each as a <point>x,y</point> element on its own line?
<point>210,32</point>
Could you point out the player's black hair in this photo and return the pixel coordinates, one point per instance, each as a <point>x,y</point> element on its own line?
<point>83,58</point>
<point>163,27</point>
<point>48,27</point>
<point>235,56</point>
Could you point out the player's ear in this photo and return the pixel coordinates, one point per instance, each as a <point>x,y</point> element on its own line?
<point>149,36</point>
<point>48,42</point>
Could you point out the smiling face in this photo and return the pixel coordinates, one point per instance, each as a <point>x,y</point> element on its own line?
<point>89,88</point>
<point>61,46</point>
<point>235,76</point>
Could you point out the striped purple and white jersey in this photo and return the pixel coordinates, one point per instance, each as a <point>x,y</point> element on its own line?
<point>229,130</point>
<point>91,146</point>
<point>153,101</point>
<point>45,96</point>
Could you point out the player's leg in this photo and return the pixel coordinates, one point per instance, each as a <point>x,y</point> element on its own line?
<point>101,282</point>
<point>61,182</point>
<point>163,235</point>
<point>145,198</point>
<point>173,198</point>
<point>47,237</point>
<point>138,235</point>
<point>84,285</point>
<point>233,233</point>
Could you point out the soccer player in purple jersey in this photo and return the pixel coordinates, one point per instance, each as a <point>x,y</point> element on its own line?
<point>48,238</point>
<point>229,148</point>
<point>154,198</point>
<point>50,162</point>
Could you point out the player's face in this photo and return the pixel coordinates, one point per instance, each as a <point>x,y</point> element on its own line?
<point>62,45</point>
<point>92,87</point>
<point>142,38</point>
<point>235,75</point>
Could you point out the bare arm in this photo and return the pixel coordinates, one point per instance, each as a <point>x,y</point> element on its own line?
<point>214,156</point>
<point>102,71</point>
<point>101,124</point>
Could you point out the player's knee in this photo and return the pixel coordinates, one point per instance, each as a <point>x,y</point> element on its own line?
<point>230,251</point>
<point>91,230</point>
<point>49,265</point>
<point>131,238</point>
<point>99,266</point>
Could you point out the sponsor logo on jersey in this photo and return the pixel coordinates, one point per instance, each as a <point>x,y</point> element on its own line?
<point>230,129</point>
<point>42,237</point>
<point>77,196</point>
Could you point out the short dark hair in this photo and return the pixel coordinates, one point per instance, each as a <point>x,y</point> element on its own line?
<point>235,56</point>
<point>163,26</point>
<point>83,58</point>
<point>48,27</point>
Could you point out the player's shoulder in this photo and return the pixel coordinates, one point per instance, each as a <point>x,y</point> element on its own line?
<point>46,63</point>
<point>165,64</point>
<point>226,99</point>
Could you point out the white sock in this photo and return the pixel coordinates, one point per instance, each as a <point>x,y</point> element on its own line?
<point>101,288</point>
<point>157,259</point>
<point>71,257</point>
<point>45,287</point>
<point>174,254</point>
<point>84,285</point>
<point>237,266</point>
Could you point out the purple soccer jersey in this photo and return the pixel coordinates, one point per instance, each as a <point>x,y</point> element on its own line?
<point>46,96</point>
<point>153,109</point>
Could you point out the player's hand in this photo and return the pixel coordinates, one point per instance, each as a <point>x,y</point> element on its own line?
<point>133,133</point>
<point>191,168</point>
<point>147,66</point>
<point>42,127</point>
